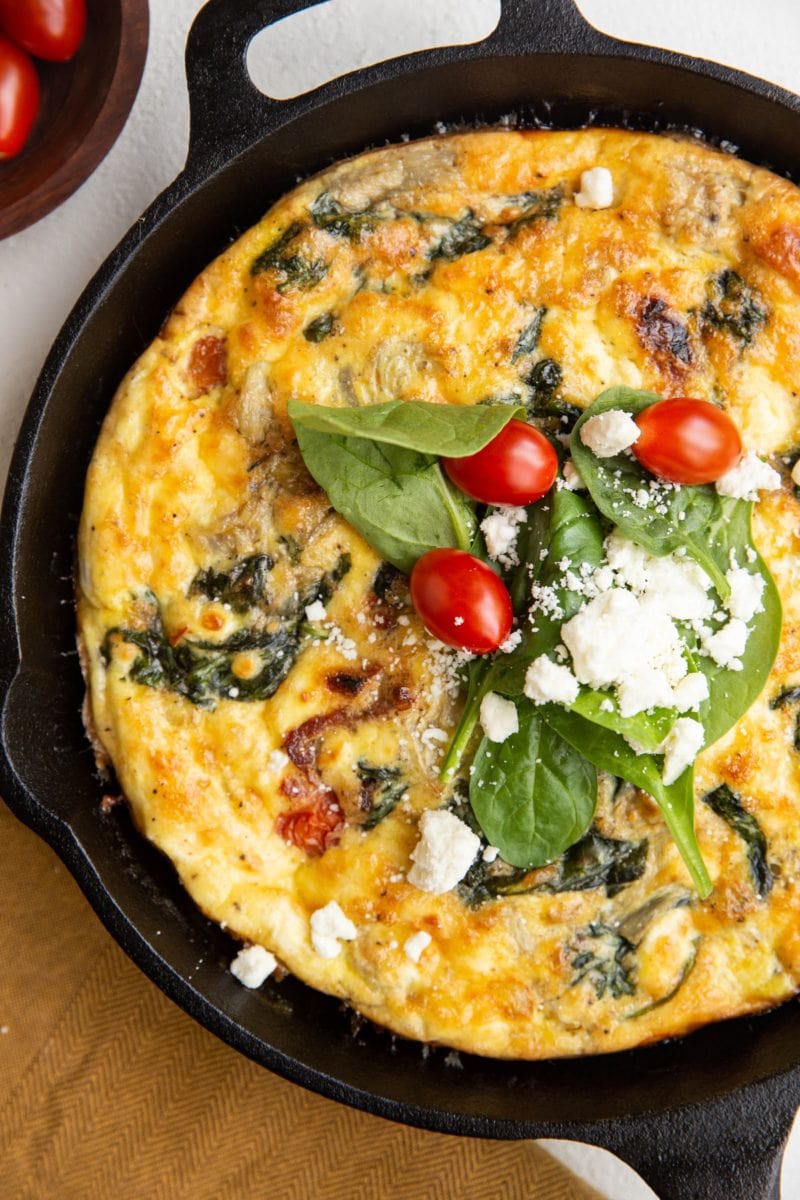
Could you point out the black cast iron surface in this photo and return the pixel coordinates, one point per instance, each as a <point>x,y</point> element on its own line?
<point>701,1119</point>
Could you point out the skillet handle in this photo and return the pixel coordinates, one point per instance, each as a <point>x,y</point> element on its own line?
<point>728,1149</point>
<point>228,113</point>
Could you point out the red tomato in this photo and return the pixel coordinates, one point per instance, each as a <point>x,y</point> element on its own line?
<point>51,29</point>
<point>314,829</point>
<point>516,467</point>
<point>19,98</point>
<point>461,600</point>
<point>687,441</point>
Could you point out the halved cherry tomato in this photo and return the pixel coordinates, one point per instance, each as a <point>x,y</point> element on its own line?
<point>687,441</point>
<point>51,29</point>
<point>461,601</point>
<point>517,466</point>
<point>19,98</point>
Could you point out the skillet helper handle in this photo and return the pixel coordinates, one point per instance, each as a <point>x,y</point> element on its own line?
<point>726,1149</point>
<point>228,113</point>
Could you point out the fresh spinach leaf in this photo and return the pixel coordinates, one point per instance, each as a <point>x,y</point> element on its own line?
<point>442,429</point>
<point>606,959</point>
<point>244,586</point>
<point>610,752</point>
<point>727,805</point>
<point>661,517</point>
<point>533,794</point>
<point>464,236</point>
<point>528,340</point>
<point>398,499</point>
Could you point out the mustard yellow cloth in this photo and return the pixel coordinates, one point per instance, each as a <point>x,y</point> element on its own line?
<point>109,1092</point>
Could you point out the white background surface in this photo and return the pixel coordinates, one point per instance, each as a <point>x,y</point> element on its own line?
<point>43,269</point>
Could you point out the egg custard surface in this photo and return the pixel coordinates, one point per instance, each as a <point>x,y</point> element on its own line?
<point>273,709</point>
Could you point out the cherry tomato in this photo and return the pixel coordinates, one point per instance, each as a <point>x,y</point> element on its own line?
<point>687,441</point>
<point>19,98</point>
<point>517,466</point>
<point>313,829</point>
<point>51,29</point>
<point>461,600</point>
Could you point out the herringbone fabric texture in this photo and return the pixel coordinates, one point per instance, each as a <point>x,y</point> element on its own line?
<point>109,1092</point>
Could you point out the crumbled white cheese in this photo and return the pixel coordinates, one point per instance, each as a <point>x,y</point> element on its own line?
<point>746,591</point>
<point>500,529</point>
<point>628,560</point>
<point>277,760</point>
<point>444,853</point>
<point>677,583</point>
<point>546,681</point>
<point>597,189</point>
<point>750,476</point>
<point>345,645</point>
<point>681,747</point>
<point>572,478</point>
<point>690,692</point>
<point>415,945</point>
<point>330,927</point>
<point>498,717</point>
<point>610,433</point>
<point>316,611</point>
<point>643,689</point>
<point>490,854</point>
<point>726,644</point>
<point>252,965</point>
<point>511,642</point>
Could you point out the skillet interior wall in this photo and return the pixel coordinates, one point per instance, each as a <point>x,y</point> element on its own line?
<point>168,251</point>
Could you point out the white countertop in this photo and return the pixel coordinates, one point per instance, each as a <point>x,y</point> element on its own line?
<point>44,268</point>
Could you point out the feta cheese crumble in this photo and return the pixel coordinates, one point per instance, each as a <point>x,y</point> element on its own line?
<point>572,478</point>
<point>546,681</point>
<point>690,692</point>
<point>416,944</point>
<point>498,717</point>
<point>330,927</point>
<point>750,476</point>
<point>597,189</point>
<point>316,611</point>
<point>500,529</point>
<point>444,853</point>
<point>747,589</point>
<point>681,747</point>
<point>726,644</point>
<point>252,965</point>
<point>610,433</point>
<point>490,854</point>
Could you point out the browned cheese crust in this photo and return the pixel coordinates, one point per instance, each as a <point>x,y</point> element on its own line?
<point>410,273</point>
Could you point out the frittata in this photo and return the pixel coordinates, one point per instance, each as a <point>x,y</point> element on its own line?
<point>274,710</point>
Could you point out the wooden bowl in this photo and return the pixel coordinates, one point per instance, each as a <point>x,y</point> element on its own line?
<point>85,103</point>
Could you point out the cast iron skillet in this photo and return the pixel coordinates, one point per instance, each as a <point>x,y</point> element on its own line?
<point>705,1117</point>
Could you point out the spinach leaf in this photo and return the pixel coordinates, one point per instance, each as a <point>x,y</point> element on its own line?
<point>328,214</point>
<point>528,340</point>
<point>441,429</point>
<point>732,692</point>
<point>727,805</point>
<point>603,957</point>
<point>242,587</point>
<point>610,752</point>
<point>533,794</point>
<point>297,270</point>
<point>398,499</point>
<point>464,236</point>
<point>661,519</point>
<point>732,307</point>
<point>686,971</point>
<point>536,206</point>
<point>381,789</point>
<point>318,329</point>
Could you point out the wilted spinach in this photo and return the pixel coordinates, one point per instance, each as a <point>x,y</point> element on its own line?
<point>542,205</point>
<point>727,805</point>
<point>533,794</point>
<point>464,236</point>
<point>783,700</point>
<point>328,214</point>
<point>318,329</point>
<point>381,789</point>
<point>732,307</point>
<point>528,339</point>
<point>605,959</point>
<point>686,971</point>
<point>297,270</point>
<point>244,586</point>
